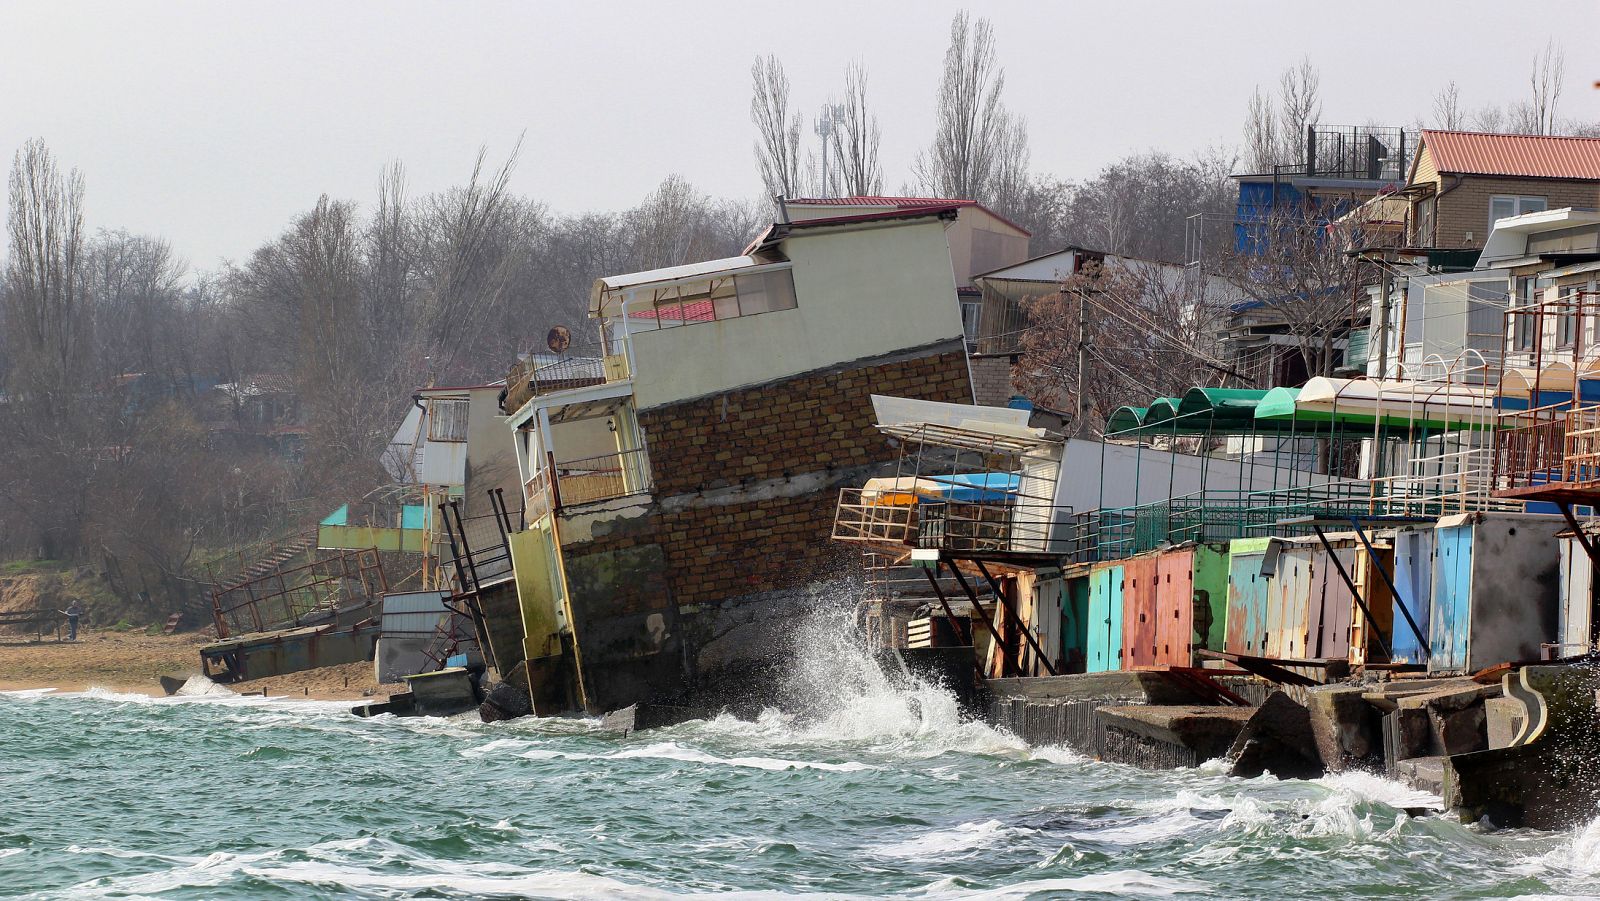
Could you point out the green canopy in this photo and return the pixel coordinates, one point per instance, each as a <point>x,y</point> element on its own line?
<point>1126,419</point>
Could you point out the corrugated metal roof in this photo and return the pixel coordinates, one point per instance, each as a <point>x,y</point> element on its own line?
<point>1526,156</point>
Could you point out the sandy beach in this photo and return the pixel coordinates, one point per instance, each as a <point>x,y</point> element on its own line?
<point>132,663</point>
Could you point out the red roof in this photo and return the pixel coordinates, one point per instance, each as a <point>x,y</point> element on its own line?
<point>1522,156</point>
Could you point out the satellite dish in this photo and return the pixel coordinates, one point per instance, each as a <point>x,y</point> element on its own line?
<point>559,339</point>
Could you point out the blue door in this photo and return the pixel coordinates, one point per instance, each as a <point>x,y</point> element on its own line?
<point>1413,577</point>
<point>1452,599</point>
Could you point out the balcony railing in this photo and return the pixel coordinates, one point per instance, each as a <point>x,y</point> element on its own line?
<point>882,517</point>
<point>587,481</point>
<point>580,366</point>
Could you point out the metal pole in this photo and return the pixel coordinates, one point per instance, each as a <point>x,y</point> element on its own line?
<point>1005,655</point>
<point>1388,580</point>
<point>1083,351</point>
<point>1349,583</point>
<point>964,634</point>
<point>1000,597</point>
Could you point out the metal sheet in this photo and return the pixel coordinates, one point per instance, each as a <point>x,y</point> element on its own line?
<point>1139,612</point>
<point>1413,576</point>
<point>1175,608</point>
<point>1105,619</point>
<point>1577,598</point>
<point>1248,598</point>
<point>1452,579</point>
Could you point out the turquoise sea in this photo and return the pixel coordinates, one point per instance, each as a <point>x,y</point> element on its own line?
<point>879,791</point>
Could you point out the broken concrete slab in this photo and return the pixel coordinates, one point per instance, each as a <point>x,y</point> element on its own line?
<point>505,701</point>
<point>1456,717</point>
<point>1169,736</point>
<point>1277,739</point>
<point>636,717</point>
<point>1348,733</point>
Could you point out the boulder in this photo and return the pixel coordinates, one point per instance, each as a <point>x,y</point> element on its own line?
<point>505,701</point>
<point>1348,733</point>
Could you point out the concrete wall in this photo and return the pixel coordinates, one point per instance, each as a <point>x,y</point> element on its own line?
<point>490,461</point>
<point>1135,475</point>
<point>859,294</point>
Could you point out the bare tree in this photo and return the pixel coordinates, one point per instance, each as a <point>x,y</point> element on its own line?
<point>1275,130</point>
<point>974,131</point>
<point>777,130</point>
<point>1148,330</point>
<point>46,297</point>
<point>1549,68</point>
<point>1300,107</point>
<point>1447,112</point>
<point>1293,265</point>
<point>856,136</point>
<point>1261,132</point>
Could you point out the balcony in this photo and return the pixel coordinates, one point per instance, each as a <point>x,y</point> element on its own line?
<point>580,366</point>
<point>557,487</point>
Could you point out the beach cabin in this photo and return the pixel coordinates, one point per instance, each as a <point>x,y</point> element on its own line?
<point>1174,602</point>
<point>1104,641</point>
<point>1287,601</point>
<point>1575,619</point>
<point>1413,578</point>
<point>1075,619</point>
<point>1495,589</point>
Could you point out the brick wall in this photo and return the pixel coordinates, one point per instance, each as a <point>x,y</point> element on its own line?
<point>804,424</point>
<point>1466,209</point>
<point>991,380</point>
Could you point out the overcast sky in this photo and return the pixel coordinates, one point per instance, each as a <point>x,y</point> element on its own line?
<point>213,123</point>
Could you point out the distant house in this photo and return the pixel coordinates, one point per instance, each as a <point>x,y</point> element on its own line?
<point>1004,292</point>
<point>980,239</point>
<point>1461,183</point>
<point>1340,169</point>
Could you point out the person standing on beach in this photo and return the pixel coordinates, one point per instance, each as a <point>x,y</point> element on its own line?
<point>73,612</point>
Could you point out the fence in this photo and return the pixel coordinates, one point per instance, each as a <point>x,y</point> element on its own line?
<point>291,597</point>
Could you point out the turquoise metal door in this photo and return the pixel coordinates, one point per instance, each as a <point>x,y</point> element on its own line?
<point>1247,605</point>
<point>1105,620</point>
<point>1075,625</point>
<point>1452,600</point>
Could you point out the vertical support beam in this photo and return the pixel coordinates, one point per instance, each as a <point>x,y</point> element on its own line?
<point>1351,584</point>
<point>1016,618</point>
<point>1007,664</point>
<point>1372,554</point>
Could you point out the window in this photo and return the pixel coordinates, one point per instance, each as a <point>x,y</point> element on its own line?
<point>717,298</point>
<point>447,420</point>
<point>1522,324</point>
<point>1424,222</point>
<point>970,310</point>
<point>1502,206</point>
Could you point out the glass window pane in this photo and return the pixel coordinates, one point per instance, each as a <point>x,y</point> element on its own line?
<point>780,290</point>
<point>1532,205</point>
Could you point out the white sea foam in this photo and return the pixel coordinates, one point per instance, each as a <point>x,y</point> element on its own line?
<point>1124,883</point>
<point>674,751</point>
<point>964,837</point>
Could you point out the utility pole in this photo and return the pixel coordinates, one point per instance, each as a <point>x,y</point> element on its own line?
<point>1083,353</point>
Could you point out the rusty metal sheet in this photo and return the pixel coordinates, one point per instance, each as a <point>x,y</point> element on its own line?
<point>1139,613</point>
<point>1175,608</point>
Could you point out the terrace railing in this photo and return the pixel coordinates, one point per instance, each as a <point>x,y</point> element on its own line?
<point>588,480</point>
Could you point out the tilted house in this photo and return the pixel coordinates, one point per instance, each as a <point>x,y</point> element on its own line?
<point>679,477</point>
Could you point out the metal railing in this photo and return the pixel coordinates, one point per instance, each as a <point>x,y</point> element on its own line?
<point>293,597</point>
<point>865,515</point>
<point>557,486</point>
<point>579,366</point>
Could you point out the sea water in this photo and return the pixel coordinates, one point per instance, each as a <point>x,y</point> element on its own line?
<point>878,789</point>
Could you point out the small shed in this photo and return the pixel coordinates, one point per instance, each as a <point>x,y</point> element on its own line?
<point>1495,589</point>
<point>1104,640</point>
<point>1174,602</point>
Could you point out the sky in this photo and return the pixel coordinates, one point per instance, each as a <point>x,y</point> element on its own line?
<point>214,123</point>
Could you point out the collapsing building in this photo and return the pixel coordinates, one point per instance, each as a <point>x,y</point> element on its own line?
<point>678,475</point>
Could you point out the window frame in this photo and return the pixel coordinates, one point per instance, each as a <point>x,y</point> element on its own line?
<point>1519,205</point>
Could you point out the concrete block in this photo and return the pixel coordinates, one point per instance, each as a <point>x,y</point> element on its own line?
<point>1169,736</point>
<point>505,701</point>
<point>1505,718</point>
<point>1277,739</point>
<point>1346,728</point>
